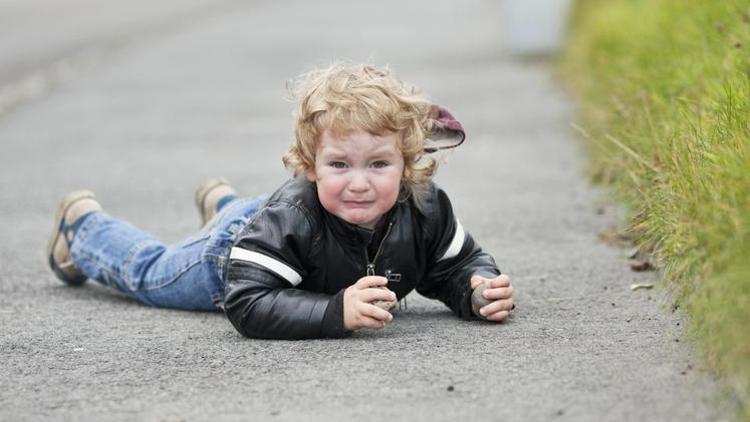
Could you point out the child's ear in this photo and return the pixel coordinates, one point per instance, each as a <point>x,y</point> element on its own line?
<point>310,174</point>
<point>407,174</point>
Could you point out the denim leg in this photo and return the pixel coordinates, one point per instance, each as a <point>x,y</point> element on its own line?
<point>119,255</point>
<point>185,275</point>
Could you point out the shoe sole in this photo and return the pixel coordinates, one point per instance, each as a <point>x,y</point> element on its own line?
<point>202,193</point>
<point>64,206</point>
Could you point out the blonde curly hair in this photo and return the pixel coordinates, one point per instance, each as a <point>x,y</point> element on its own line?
<point>345,97</point>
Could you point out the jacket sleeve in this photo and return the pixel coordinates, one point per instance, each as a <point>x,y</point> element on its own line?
<point>265,265</point>
<point>453,257</point>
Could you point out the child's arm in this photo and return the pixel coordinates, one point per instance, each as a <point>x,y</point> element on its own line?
<point>456,262</point>
<point>266,264</point>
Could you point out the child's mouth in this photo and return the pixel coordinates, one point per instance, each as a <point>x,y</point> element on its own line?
<point>358,204</point>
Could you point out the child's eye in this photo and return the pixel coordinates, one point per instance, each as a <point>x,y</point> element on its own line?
<point>380,164</point>
<point>337,164</point>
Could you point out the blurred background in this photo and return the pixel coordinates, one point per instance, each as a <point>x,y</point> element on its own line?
<point>43,43</point>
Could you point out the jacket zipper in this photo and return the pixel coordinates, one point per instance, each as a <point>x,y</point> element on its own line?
<point>371,264</point>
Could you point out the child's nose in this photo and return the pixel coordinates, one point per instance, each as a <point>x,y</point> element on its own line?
<point>359,182</point>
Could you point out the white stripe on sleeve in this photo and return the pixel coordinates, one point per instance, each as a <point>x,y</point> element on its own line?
<point>265,261</point>
<point>456,244</point>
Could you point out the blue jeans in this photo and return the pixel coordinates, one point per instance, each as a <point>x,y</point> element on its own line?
<point>185,275</point>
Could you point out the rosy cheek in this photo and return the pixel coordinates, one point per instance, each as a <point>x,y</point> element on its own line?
<point>327,196</point>
<point>393,197</point>
<point>392,189</point>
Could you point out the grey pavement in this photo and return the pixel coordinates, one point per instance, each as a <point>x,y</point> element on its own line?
<point>203,94</point>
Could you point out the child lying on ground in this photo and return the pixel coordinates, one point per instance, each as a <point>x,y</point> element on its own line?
<point>314,258</point>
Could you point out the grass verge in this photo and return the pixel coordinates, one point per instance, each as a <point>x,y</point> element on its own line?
<point>664,89</point>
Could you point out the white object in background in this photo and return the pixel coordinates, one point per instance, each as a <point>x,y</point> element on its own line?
<point>534,26</point>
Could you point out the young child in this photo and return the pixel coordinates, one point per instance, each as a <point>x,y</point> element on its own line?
<point>314,258</point>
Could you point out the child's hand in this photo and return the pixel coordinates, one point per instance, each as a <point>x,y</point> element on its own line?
<point>358,310</point>
<point>499,294</point>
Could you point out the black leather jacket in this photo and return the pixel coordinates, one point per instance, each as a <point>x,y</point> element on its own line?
<point>291,263</point>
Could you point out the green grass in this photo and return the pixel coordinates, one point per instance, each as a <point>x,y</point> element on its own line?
<point>664,90</point>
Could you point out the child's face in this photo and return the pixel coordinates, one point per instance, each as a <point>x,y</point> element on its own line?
<point>358,175</point>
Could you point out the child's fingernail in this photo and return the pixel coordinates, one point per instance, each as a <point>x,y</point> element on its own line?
<point>483,312</point>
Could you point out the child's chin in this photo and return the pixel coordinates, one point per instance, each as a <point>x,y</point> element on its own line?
<point>362,221</point>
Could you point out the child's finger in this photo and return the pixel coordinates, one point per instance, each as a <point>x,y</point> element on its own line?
<point>500,281</point>
<point>374,312</point>
<point>371,281</point>
<point>498,316</point>
<point>373,323</point>
<point>496,306</point>
<point>498,293</point>
<point>476,280</point>
<point>381,293</point>
<point>369,322</point>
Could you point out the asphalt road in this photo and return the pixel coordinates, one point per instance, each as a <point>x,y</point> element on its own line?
<point>179,91</point>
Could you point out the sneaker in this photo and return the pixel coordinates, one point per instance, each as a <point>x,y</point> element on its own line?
<point>75,205</point>
<point>209,195</point>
